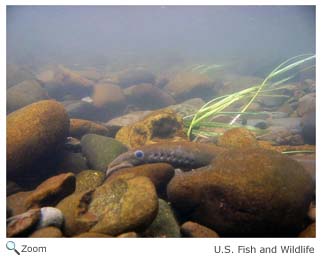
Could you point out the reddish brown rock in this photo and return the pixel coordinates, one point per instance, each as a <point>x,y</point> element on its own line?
<point>245,192</point>
<point>77,219</point>
<point>79,127</point>
<point>16,203</point>
<point>47,232</point>
<point>192,229</point>
<point>50,192</point>
<point>22,224</point>
<point>34,132</point>
<point>310,231</point>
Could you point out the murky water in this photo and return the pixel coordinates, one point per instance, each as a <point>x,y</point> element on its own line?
<point>141,120</point>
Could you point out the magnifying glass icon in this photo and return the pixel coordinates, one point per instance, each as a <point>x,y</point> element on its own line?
<point>12,246</point>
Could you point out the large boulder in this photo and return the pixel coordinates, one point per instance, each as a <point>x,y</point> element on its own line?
<point>248,192</point>
<point>34,132</point>
<point>24,93</point>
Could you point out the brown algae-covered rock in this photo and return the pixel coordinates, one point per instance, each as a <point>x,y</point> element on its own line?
<point>89,179</point>
<point>50,192</point>
<point>79,127</point>
<point>124,205</point>
<point>33,132</point>
<point>192,229</point>
<point>247,192</point>
<point>159,173</point>
<point>161,124</point>
<point>238,138</point>
<point>77,219</point>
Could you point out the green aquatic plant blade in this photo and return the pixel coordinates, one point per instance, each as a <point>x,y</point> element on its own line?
<point>217,105</point>
<point>276,72</point>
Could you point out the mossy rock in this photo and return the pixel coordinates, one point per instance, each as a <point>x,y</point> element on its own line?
<point>238,138</point>
<point>89,179</point>
<point>124,206</point>
<point>100,151</point>
<point>34,132</point>
<point>165,223</point>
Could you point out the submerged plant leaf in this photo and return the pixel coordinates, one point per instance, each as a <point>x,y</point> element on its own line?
<point>217,105</point>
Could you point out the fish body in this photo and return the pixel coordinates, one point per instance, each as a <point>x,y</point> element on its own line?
<point>184,155</point>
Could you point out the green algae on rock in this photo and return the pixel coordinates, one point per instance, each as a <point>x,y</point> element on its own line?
<point>100,151</point>
<point>165,223</point>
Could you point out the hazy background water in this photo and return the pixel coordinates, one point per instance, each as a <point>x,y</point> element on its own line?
<point>158,35</point>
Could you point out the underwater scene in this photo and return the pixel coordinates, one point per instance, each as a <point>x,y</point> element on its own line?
<point>160,121</point>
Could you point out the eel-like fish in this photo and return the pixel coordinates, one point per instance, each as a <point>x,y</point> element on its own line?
<point>184,155</point>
